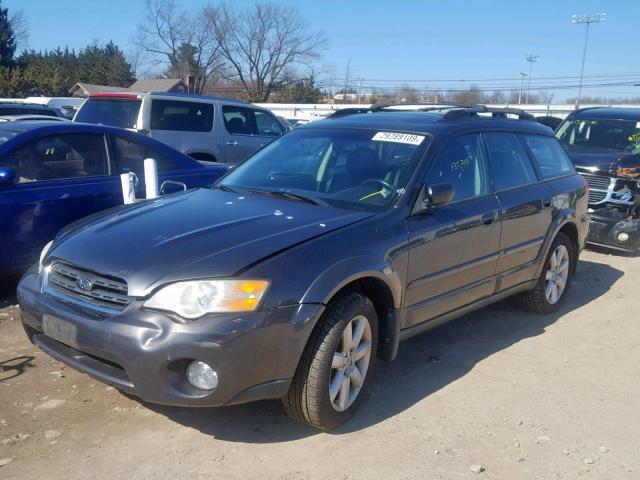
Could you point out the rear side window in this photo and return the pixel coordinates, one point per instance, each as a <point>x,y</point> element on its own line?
<point>181,116</point>
<point>551,158</point>
<point>510,165</point>
<point>238,120</point>
<point>131,156</point>
<point>10,111</point>
<point>462,165</point>
<point>61,156</point>
<point>114,112</point>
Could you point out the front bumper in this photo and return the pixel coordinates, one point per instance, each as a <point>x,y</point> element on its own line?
<point>607,225</point>
<point>145,353</point>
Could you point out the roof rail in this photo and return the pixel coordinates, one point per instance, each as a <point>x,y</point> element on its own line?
<point>496,112</point>
<point>343,112</point>
<point>381,107</point>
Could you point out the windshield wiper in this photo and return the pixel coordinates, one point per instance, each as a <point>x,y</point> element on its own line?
<point>225,188</point>
<point>291,195</point>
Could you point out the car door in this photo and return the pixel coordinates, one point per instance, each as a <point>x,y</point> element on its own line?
<point>241,135</point>
<point>525,206</point>
<point>453,249</point>
<point>59,179</point>
<point>186,125</point>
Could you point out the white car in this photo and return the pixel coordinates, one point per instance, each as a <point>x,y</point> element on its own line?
<point>212,129</point>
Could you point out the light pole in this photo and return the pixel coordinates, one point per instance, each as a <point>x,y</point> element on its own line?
<point>588,20</point>
<point>521,88</point>
<point>531,59</point>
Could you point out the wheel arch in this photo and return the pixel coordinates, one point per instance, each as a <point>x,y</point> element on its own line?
<point>384,291</point>
<point>204,156</point>
<point>565,222</point>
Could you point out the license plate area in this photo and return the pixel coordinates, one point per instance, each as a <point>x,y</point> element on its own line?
<point>60,330</point>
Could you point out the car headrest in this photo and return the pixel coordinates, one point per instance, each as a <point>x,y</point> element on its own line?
<point>236,125</point>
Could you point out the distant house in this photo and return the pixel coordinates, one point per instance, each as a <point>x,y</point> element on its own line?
<point>86,89</point>
<point>174,85</point>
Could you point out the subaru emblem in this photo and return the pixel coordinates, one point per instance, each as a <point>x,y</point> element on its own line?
<point>84,284</point>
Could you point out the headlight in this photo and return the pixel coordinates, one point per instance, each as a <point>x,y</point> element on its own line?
<point>43,254</point>
<point>196,298</point>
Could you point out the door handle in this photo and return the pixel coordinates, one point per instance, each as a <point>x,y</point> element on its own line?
<point>488,219</point>
<point>232,143</point>
<point>546,202</point>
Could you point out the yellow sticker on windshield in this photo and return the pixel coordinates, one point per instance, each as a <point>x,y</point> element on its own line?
<point>408,138</point>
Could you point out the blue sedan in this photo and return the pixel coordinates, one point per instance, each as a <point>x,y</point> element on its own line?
<point>52,174</point>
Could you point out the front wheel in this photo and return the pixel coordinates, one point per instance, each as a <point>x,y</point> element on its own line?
<point>552,285</point>
<point>336,365</point>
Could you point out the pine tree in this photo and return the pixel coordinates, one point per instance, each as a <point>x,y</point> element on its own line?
<point>7,39</point>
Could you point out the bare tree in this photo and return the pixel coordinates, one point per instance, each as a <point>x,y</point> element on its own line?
<point>186,41</point>
<point>20,25</point>
<point>263,44</point>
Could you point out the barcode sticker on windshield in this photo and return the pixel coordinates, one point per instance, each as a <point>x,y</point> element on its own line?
<point>407,138</point>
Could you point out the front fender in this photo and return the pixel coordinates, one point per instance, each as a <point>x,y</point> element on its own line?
<point>338,275</point>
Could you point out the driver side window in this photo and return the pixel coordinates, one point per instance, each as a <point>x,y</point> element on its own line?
<point>462,164</point>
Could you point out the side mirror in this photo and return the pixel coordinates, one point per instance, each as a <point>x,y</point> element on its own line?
<point>437,194</point>
<point>7,176</point>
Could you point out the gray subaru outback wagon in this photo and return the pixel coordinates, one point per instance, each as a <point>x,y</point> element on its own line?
<point>298,269</point>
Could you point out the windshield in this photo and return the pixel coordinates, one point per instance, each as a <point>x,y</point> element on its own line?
<point>117,113</point>
<point>600,136</point>
<point>6,135</point>
<point>359,169</point>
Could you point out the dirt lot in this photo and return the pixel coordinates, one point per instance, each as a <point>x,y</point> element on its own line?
<point>523,396</point>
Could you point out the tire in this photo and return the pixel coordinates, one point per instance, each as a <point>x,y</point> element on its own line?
<point>308,399</point>
<point>538,300</point>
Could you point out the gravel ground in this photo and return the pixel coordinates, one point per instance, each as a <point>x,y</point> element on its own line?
<point>496,394</point>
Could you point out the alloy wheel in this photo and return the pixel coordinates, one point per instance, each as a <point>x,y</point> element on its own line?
<point>557,274</point>
<point>350,363</point>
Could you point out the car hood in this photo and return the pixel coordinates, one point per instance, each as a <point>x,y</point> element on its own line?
<point>198,234</point>
<point>616,164</point>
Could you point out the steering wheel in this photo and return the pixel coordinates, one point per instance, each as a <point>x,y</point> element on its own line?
<point>379,181</point>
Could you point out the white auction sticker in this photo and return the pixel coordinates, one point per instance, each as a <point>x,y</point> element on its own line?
<point>407,138</point>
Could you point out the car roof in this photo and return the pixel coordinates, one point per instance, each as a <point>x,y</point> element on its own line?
<point>35,106</point>
<point>426,122</point>
<point>614,113</point>
<point>188,96</point>
<point>32,118</point>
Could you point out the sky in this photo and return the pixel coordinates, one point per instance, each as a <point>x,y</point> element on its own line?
<point>427,43</point>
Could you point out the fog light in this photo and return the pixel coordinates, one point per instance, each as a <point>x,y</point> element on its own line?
<point>202,376</point>
<point>623,236</point>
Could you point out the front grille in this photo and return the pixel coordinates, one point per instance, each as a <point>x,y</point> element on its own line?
<point>101,291</point>
<point>599,187</point>
<point>596,196</point>
<point>599,182</point>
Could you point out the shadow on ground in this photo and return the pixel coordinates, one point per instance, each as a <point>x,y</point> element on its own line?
<point>425,364</point>
<point>15,367</point>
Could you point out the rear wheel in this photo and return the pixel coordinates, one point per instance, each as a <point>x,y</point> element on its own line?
<point>335,367</point>
<point>552,285</point>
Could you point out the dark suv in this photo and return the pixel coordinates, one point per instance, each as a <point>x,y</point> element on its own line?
<point>317,255</point>
<point>604,145</point>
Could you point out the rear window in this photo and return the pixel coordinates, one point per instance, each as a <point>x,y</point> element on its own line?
<point>551,158</point>
<point>113,112</point>
<point>181,116</point>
